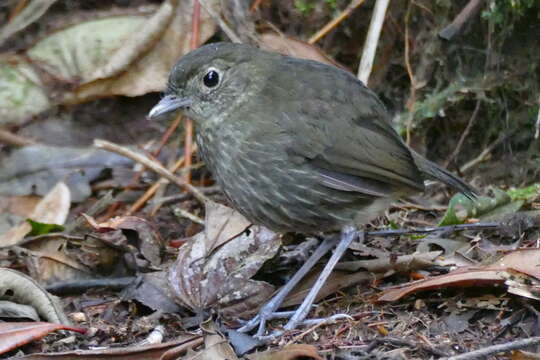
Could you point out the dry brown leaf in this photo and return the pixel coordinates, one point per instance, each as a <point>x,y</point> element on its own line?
<point>216,347</point>
<point>376,269</point>
<point>291,352</point>
<point>164,351</point>
<point>149,241</point>
<point>128,55</point>
<point>517,269</point>
<point>52,209</point>
<point>51,262</point>
<point>214,268</point>
<point>143,63</point>
<point>14,335</point>
<point>19,205</point>
<point>296,48</point>
<point>524,355</point>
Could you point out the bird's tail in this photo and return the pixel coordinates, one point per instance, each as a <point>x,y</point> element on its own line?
<point>435,172</point>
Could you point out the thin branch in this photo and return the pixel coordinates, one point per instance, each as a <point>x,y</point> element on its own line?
<point>188,123</point>
<point>537,125</point>
<point>465,133</point>
<point>412,79</point>
<point>495,349</point>
<point>10,138</point>
<point>483,155</point>
<point>153,189</point>
<point>450,228</point>
<point>152,165</point>
<point>372,40</point>
<point>186,214</point>
<point>334,22</point>
<point>222,24</point>
<point>456,26</point>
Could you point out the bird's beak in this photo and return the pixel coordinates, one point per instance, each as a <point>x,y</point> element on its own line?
<point>168,104</point>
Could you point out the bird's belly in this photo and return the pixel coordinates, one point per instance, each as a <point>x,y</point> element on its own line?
<point>284,197</point>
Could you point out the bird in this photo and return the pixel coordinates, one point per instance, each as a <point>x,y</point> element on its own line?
<point>296,146</point>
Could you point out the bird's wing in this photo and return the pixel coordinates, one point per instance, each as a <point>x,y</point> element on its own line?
<point>342,133</point>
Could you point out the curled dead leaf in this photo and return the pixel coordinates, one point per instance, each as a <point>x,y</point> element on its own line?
<point>214,268</point>
<point>124,231</point>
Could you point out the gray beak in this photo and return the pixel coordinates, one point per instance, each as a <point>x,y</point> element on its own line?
<point>168,104</point>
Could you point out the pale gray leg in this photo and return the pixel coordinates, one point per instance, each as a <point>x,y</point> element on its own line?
<point>270,307</point>
<point>347,236</point>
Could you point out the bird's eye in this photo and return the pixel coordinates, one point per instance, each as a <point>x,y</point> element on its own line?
<point>211,78</point>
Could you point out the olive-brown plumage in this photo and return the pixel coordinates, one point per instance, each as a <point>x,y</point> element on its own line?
<point>296,145</point>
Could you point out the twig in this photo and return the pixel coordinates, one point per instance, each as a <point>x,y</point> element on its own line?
<point>16,10</point>
<point>465,133</point>
<point>186,214</point>
<point>495,349</point>
<point>188,123</point>
<point>222,24</point>
<point>459,227</point>
<point>402,342</point>
<point>22,16</point>
<point>537,125</point>
<point>152,165</point>
<point>179,197</point>
<point>482,156</point>
<point>165,138</point>
<point>412,79</point>
<point>456,26</point>
<point>156,152</point>
<point>9,138</point>
<point>255,5</point>
<point>375,26</point>
<point>153,189</point>
<point>103,203</point>
<point>80,286</point>
<point>334,22</point>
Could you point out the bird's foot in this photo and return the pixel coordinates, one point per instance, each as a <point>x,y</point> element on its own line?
<point>287,315</point>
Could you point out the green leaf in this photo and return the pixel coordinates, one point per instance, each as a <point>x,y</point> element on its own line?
<point>461,208</point>
<point>39,228</point>
<point>527,194</point>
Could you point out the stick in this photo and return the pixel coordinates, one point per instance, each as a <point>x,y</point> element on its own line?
<point>334,22</point>
<point>377,20</point>
<point>455,27</point>
<point>463,136</point>
<point>10,138</point>
<point>152,165</point>
<point>495,349</point>
<point>459,227</point>
<point>222,24</point>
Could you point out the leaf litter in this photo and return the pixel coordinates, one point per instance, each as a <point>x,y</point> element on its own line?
<point>214,270</point>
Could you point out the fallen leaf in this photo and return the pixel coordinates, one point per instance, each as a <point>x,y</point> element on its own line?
<point>12,310</point>
<point>14,335</point>
<point>32,11</point>
<point>214,268</point>
<point>291,352</point>
<point>22,289</point>
<point>52,209</point>
<point>461,208</point>
<point>295,48</point>
<point>164,351</point>
<point>520,265</point>
<point>134,231</point>
<point>128,55</point>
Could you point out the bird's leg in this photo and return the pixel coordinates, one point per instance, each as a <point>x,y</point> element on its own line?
<point>270,307</point>
<point>348,233</point>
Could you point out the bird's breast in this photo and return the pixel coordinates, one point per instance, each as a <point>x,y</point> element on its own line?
<point>269,189</point>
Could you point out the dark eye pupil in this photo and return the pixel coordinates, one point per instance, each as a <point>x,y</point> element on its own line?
<point>211,78</point>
